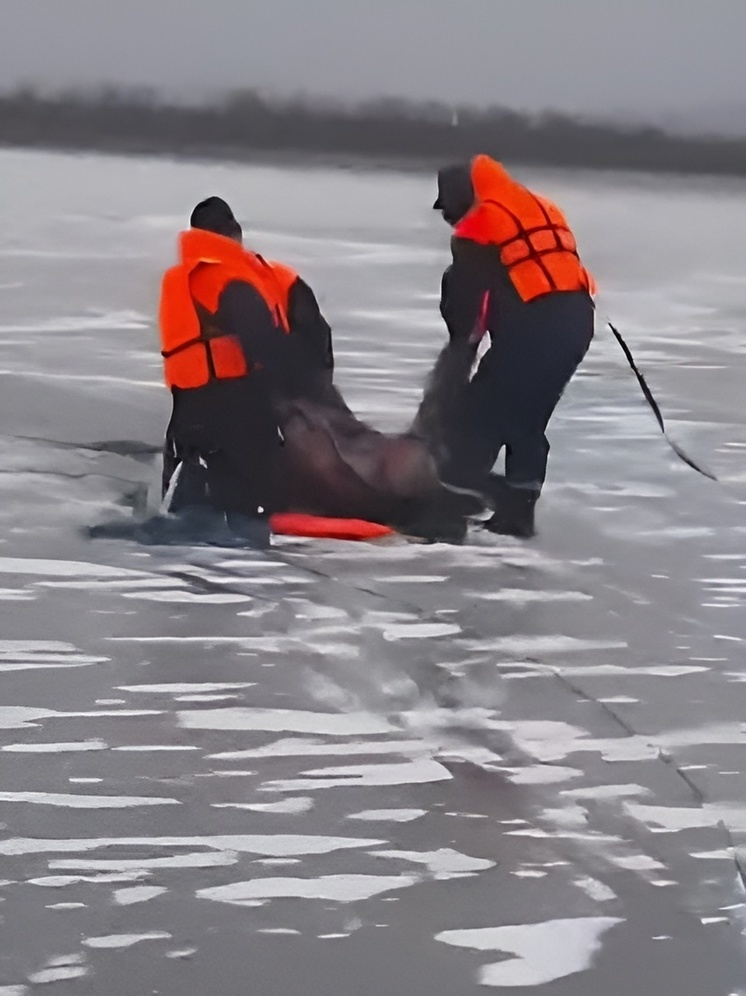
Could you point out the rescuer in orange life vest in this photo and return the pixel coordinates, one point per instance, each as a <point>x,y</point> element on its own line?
<point>517,292</point>
<point>236,332</point>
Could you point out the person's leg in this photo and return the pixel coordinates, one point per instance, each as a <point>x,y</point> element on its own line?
<point>183,480</point>
<point>171,458</point>
<point>526,456</point>
<point>549,351</point>
<point>170,462</point>
<point>237,479</point>
<point>241,465</point>
<point>227,436</point>
<point>536,362</point>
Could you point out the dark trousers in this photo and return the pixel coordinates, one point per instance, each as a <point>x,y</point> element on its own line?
<point>535,351</point>
<point>227,429</point>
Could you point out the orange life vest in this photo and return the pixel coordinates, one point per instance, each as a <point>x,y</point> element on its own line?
<point>531,234</point>
<point>194,350</point>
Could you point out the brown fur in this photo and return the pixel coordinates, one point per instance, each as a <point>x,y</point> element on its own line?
<point>334,464</point>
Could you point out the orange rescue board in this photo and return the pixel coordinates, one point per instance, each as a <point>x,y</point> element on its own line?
<point>321,527</point>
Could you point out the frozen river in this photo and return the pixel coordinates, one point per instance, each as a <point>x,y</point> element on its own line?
<point>350,769</point>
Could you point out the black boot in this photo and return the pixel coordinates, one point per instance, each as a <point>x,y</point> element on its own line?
<point>190,487</point>
<point>514,511</point>
<point>252,531</point>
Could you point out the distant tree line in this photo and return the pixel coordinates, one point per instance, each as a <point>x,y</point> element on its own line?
<point>246,123</point>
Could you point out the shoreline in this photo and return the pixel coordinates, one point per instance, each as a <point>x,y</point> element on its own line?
<point>332,159</point>
<point>406,137</point>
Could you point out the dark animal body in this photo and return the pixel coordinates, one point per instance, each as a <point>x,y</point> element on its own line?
<point>334,464</point>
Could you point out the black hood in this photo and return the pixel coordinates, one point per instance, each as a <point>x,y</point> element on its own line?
<point>455,192</point>
<point>215,215</point>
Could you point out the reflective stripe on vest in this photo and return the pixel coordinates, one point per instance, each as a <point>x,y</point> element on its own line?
<point>535,243</point>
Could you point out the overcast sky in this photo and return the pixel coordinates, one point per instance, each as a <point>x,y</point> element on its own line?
<point>638,57</point>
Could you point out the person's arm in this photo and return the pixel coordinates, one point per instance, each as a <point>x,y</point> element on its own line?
<point>307,321</point>
<point>469,277</point>
<point>244,313</point>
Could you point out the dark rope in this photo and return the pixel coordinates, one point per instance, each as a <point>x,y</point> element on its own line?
<point>656,410</point>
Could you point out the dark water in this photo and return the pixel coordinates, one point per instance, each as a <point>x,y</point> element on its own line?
<point>356,769</point>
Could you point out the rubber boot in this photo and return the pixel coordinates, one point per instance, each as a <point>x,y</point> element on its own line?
<point>514,512</point>
<point>250,531</point>
<point>191,486</point>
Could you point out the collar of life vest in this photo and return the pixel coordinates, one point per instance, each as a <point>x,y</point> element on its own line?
<point>198,246</point>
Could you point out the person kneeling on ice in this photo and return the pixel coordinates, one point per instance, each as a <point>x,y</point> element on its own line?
<point>518,303</point>
<point>226,318</point>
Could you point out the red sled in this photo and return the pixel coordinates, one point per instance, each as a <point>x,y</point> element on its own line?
<point>321,527</point>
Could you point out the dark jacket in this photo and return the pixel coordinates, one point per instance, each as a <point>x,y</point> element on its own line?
<point>291,364</point>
